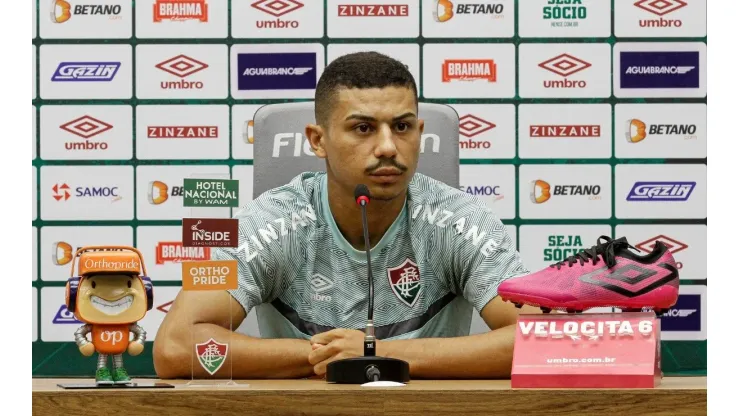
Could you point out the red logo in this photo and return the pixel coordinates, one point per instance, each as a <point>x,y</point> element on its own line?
<point>373,10</point>
<point>405,281</point>
<point>277,8</point>
<point>471,126</point>
<point>182,132</point>
<point>180,10</point>
<point>61,192</point>
<point>181,66</point>
<point>660,8</point>
<point>175,252</point>
<point>468,70</point>
<point>674,246</point>
<point>165,307</point>
<point>564,65</point>
<point>565,131</point>
<point>86,127</point>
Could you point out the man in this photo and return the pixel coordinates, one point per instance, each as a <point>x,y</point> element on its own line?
<point>437,252</point>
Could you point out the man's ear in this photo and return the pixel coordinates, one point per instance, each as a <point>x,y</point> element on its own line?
<point>421,126</point>
<point>315,136</point>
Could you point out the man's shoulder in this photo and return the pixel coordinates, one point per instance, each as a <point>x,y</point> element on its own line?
<point>426,191</point>
<point>297,196</point>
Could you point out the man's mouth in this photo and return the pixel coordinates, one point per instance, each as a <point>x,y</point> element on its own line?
<point>387,172</point>
<point>112,307</point>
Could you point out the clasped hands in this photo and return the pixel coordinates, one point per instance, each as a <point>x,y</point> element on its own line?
<point>336,344</point>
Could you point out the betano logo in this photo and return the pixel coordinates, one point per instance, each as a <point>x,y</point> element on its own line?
<point>638,130</point>
<point>158,192</point>
<point>541,191</point>
<point>181,66</point>
<point>445,10</point>
<point>660,8</point>
<point>468,70</point>
<point>277,8</point>
<point>180,10</point>
<point>62,11</point>
<point>564,65</point>
<point>61,253</point>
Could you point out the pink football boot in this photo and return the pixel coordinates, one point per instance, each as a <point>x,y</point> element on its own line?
<point>606,275</point>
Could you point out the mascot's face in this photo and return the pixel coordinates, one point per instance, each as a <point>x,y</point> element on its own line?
<point>111,299</point>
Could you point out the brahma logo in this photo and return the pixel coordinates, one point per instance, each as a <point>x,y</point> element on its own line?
<point>62,11</point>
<point>277,8</point>
<point>85,71</point>
<point>471,126</point>
<point>661,191</point>
<point>181,66</point>
<point>373,10</point>
<point>564,65</point>
<point>637,130</point>
<point>175,252</point>
<point>86,127</point>
<point>468,70</point>
<point>182,132</point>
<point>570,131</point>
<point>158,192</point>
<point>180,10</point>
<point>61,253</point>
<point>660,8</point>
<point>541,191</point>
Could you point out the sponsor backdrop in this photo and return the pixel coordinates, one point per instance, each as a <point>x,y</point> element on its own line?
<point>578,118</point>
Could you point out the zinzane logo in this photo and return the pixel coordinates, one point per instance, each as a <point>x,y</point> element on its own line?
<point>586,329</point>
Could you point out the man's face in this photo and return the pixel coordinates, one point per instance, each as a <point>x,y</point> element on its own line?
<point>373,138</point>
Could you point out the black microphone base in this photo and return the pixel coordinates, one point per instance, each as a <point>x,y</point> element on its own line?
<point>354,370</point>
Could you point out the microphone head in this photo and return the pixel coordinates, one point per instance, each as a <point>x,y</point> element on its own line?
<point>362,193</point>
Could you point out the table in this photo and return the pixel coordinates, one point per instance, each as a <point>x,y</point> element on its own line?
<point>676,396</point>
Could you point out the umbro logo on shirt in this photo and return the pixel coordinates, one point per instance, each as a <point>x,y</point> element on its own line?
<point>320,283</point>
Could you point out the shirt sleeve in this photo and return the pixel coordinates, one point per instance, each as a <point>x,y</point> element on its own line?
<point>481,253</point>
<point>258,255</point>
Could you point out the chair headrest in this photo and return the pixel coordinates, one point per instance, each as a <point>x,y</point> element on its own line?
<point>281,151</point>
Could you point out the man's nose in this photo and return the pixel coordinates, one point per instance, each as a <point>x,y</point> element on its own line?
<point>386,145</point>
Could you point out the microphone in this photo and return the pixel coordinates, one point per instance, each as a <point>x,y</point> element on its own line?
<point>368,368</point>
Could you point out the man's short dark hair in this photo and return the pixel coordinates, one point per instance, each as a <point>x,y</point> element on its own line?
<point>359,70</point>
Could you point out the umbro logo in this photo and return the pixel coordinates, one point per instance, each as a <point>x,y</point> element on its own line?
<point>320,283</point>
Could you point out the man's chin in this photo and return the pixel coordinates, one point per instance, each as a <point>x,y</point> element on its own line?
<point>387,192</point>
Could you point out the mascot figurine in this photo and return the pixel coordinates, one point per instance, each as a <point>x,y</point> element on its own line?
<point>110,295</point>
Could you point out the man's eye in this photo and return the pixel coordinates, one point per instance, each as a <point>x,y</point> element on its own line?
<point>403,127</point>
<point>363,128</point>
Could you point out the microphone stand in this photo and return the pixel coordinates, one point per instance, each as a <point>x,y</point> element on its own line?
<point>360,370</point>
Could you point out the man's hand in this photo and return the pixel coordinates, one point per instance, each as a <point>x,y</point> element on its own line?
<point>336,344</point>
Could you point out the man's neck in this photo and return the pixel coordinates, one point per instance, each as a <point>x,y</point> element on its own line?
<point>348,216</point>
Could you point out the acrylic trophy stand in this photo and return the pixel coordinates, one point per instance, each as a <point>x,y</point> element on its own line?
<point>211,364</point>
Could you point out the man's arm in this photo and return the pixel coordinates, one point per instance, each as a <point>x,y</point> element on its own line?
<point>208,313</point>
<point>486,355</point>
